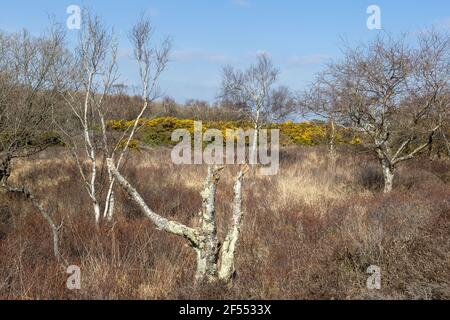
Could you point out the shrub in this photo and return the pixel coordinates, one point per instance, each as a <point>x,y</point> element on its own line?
<point>158,131</point>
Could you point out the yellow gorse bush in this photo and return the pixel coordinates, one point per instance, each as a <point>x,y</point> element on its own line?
<point>158,131</point>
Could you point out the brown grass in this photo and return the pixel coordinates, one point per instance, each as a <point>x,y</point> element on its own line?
<point>308,234</point>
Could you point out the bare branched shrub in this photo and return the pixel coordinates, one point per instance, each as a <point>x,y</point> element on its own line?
<point>393,93</point>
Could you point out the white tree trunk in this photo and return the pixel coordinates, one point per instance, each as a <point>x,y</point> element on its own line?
<point>111,207</point>
<point>160,222</point>
<point>96,211</point>
<point>388,173</point>
<point>110,201</point>
<point>332,146</point>
<point>227,267</point>
<point>207,252</point>
<point>253,156</point>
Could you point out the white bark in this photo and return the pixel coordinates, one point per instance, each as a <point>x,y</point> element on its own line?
<point>331,145</point>
<point>207,253</point>
<point>254,152</point>
<point>388,174</point>
<point>227,267</point>
<point>96,211</point>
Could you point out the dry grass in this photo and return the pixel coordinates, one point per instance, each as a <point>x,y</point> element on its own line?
<point>308,234</point>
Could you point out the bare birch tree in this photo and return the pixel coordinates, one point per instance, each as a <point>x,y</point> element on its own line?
<point>202,239</point>
<point>152,61</point>
<point>96,58</point>
<point>253,92</point>
<point>391,92</point>
<point>215,262</point>
<point>93,74</point>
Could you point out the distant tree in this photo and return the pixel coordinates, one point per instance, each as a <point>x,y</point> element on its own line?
<point>253,92</point>
<point>392,93</point>
<point>320,100</point>
<point>198,109</point>
<point>169,106</point>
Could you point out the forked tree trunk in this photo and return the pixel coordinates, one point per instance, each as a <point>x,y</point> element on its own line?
<point>202,239</point>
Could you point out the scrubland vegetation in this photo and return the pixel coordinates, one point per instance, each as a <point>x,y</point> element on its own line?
<point>86,176</point>
<point>158,131</point>
<point>312,237</point>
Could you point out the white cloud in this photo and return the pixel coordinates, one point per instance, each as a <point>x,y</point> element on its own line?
<point>308,59</point>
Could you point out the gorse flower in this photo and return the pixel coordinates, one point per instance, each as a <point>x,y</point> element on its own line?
<point>158,131</point>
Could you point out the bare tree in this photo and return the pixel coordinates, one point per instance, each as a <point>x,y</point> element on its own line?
<point>320,100</point>
<point>169,106</point>
<point>253,92</point>
<point>152,61</point>
<point>96,60</point>
<point>391,93</point>
<point>27,94</point>
<point>29,71</point>
<point>202,239</point>
<point>435,62</point>
<point>93,75</point>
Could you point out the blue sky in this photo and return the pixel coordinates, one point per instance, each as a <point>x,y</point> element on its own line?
<point>300,36</point>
